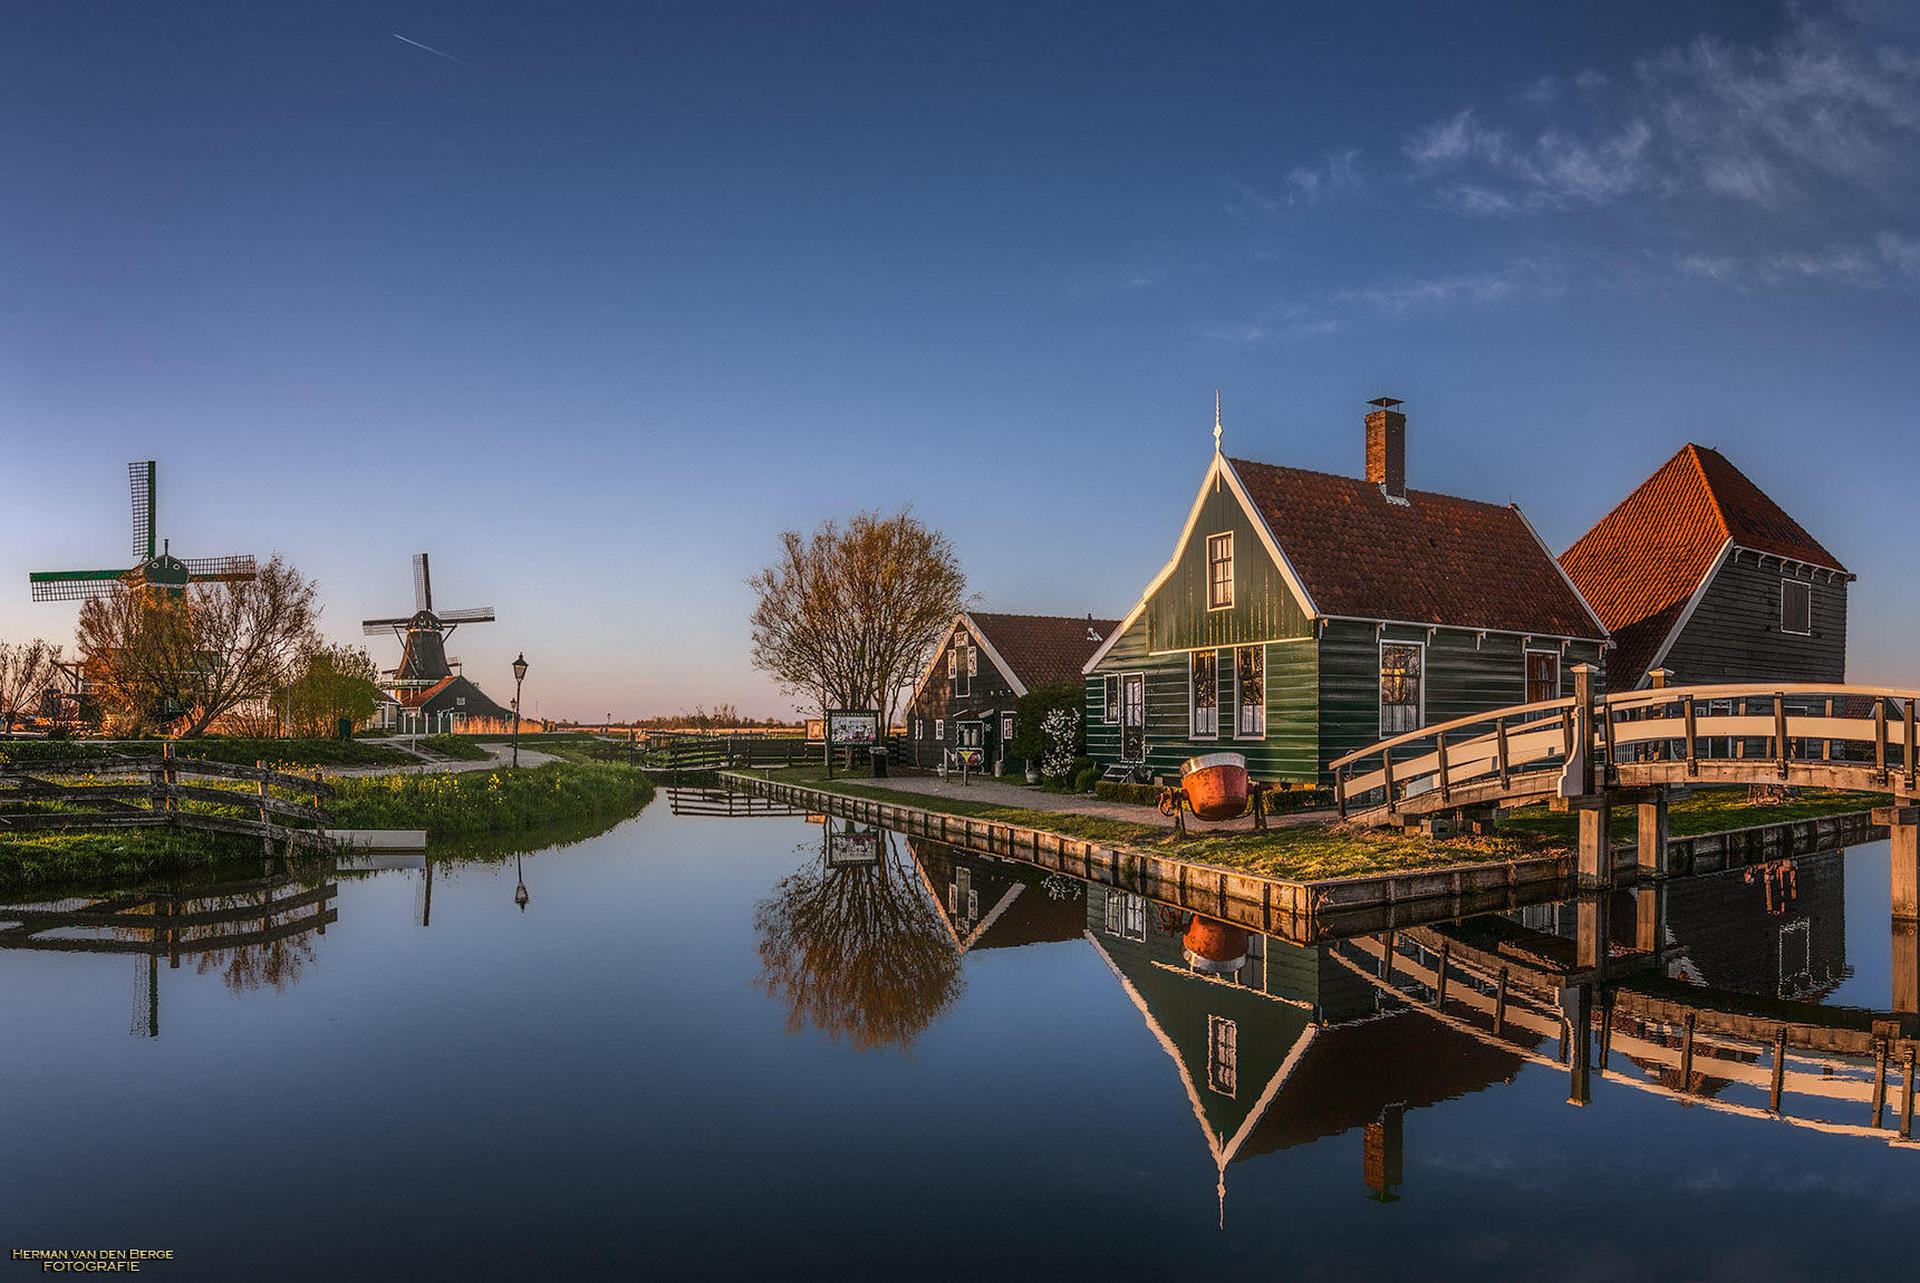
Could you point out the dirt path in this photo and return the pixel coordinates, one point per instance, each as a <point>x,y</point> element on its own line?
<point>1003,793</point>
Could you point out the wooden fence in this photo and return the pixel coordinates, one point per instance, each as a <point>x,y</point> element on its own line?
<point>176,792</point>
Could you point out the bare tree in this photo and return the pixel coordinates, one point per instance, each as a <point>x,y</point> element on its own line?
<point>155,658</point>
<point>846,617</point>
<point>26,670</point>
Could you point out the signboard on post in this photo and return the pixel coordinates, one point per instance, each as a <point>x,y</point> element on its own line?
<point>816,730</point>
<point>851,728</point>
<point>851,847</point>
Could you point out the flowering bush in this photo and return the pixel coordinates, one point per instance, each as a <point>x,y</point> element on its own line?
<point>1061,730</point>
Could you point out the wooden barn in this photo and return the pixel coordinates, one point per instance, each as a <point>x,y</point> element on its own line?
<point>1700,573</point>
<point>964,700</point>
<point>1304,616</point>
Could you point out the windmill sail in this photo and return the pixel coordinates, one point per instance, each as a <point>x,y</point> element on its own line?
<point>422,583</point>
<point>140,477</point>
<point>221,569</point>
<point>470,615</point>
<point>74,585</point>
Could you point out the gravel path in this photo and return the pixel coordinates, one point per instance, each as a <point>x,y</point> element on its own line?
<point>1004,793</point>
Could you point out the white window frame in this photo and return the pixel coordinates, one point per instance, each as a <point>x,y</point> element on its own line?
<point>953,663</point>
<point>1223,1070</point>
<point>962,682</point>
<point>1526,680</point>
<point>1193,709</point>
<point>1110,696</point>
<point>1227,537</point>
<point>1238,733</point>
<point>973,662</point>
<point>1126,915</point>
<point>1808,588</point>
<point>940,729</point>
<point>1380,704</point>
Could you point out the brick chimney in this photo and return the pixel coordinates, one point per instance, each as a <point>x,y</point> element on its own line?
<point>1387,448</point>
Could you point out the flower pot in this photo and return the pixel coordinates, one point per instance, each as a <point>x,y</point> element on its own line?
<point>1033,775</point>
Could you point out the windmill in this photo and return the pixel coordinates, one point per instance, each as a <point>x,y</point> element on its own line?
<point>162,571</point>
<point>423,659</point>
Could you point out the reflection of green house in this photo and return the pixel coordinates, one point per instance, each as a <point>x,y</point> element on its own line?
<point>1287,1047</point>
<point>989,903</point>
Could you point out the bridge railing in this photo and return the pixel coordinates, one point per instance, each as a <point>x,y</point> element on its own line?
<point>1844,736</point>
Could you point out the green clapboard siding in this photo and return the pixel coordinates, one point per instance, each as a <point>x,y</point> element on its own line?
<point>1264,608</point>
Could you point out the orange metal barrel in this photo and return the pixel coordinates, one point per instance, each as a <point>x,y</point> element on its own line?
<point>1216,785</point>
<point>1215,946</point>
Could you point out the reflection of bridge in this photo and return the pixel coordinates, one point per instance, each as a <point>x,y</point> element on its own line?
<point>726,802</point>
<point>1591,754</point>
<point>247,922</point>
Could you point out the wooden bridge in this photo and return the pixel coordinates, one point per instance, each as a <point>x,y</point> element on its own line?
<point>1590,754</point>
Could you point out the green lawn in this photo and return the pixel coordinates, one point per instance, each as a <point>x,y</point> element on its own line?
<point>475,802</point>
<point>1709,810</point>
<point>214,748</point>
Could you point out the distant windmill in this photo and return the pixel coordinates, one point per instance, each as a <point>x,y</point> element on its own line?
<point>162,571</point>
<point>423,661</point>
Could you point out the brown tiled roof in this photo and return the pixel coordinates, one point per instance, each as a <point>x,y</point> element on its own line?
<point>1644,559</point>
<point>1434,560</point>
<point>1043,649</point>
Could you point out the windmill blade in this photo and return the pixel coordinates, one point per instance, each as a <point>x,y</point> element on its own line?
<point>140,477</point>
<point>375,627</point>
<point>230,570</point>
<point>471,615</point>
<point>75,585</point>
<point>422,583</point>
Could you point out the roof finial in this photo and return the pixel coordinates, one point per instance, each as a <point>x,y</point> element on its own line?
<point>1216,420</point>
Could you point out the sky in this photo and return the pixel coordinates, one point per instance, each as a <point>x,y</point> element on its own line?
<point>593,301</point>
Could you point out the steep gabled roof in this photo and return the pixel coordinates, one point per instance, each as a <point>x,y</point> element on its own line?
<point>1042,649</point>
<point>1644,560</point>
<point>1435,559</point>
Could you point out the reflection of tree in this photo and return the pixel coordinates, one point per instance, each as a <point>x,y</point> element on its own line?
<point>857,951</point>
<point>275,964</point>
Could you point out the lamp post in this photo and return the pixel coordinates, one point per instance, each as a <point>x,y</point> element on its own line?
<point>519,892</point>
<point>519,675</point>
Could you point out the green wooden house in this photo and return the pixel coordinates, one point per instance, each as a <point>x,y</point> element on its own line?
<point>1304,616</point>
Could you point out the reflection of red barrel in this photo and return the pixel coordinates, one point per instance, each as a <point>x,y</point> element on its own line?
<point>1216,785</point>
<point>1216,946</point>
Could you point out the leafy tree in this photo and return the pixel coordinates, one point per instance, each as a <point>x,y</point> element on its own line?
<point>327,684</point>
<point>846,617</point>
<point>157,659</point>
<point>859,952</point>
<point>1030,740</point>
<point>26,670</point>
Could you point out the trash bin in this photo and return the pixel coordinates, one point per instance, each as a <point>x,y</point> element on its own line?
<point>345,728</point>
<point>879,762</point>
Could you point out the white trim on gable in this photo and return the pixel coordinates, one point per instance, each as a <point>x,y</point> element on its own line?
<point>986,643</point>
<point>1219,468</point>
<point>1565,577</point>
<point>1686,615</point>
<point>933,660</point>
<point>977,633</point>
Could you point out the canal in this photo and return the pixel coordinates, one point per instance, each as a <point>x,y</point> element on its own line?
<point>737,1044</point>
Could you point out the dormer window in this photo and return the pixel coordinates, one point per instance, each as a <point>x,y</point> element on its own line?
<point>1220,571</point>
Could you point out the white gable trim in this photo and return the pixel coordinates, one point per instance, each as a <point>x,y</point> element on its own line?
<point>933,662</point>
<point>1006,669</point>
<point>1686,615</point>
<point>986,646</point>
<point>1565,577</point>
<point>1219,468</point>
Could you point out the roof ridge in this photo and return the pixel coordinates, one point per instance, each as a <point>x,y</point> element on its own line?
<point>1363,482</point>
<point>1692,451</point>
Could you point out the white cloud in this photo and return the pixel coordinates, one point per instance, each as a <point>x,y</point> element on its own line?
<point>1330,312</point>
<point>1886,259</point>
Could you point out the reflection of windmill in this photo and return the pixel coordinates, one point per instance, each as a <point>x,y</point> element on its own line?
<point>423,660</point>
<point>161,570</point>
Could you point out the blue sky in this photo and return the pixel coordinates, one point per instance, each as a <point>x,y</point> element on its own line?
<point>595,305</point>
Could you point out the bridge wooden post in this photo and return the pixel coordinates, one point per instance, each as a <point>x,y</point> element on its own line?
<point>1596,846</point>
<point>1593,932</point>
<point>1651,839</point>
<point>1903,832</point>
<point>1580,1033</point>
<point>1906,966</point>
<point>1650,919</point>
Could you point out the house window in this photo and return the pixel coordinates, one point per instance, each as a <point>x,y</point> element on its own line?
<point>1399,688</point>
<point>940,729</point>
<point>1796,607</point>
<point>1111,701</point>
<point>1220,571</point>
<point>1203,694</point>
<point>960,668</point>
<point>973,661</point>
<point>1223,1055</point>
<point>1006,731</point>
<point>1250,681</point>
<point>953,662</point>
<point>1126,915</point>
<point>1543,676</point>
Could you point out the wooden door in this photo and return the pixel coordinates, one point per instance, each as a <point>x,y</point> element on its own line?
<point>1133,717</point>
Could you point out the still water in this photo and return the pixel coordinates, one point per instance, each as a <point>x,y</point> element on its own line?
<point>755,1046</point>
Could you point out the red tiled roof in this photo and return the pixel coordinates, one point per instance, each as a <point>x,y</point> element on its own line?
<point>1043,649</point>
<point>1434,560</point>
<point>1641,563</point>
<point>415,698</point>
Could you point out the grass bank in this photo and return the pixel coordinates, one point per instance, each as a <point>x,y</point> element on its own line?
<point>459,748</point>
<point>478,802</point>
<point>1708,810</point>
<point>42,860</point>
<point>1301,852</point>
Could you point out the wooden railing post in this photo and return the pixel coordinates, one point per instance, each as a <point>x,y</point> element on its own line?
<point>1780,733</point>
<point>1440,748</point>
<point>1912,778</point>
<point>1500,748</point>
<point>260,786</point>
<point>1879,740</point>
<point>1693,752</point>
<point>168,779</point>
<point>1340,791</point>
<point>1386,772</point>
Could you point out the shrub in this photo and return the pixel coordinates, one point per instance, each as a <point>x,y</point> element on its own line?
<point>1030,742</point>
<point>1085,774</point>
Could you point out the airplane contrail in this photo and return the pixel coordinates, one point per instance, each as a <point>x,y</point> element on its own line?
<point>438,53</point>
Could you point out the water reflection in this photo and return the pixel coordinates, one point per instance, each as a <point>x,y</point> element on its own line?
<point>850,943</point>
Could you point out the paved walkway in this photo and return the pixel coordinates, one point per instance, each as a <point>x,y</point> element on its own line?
<point>1002,792</point>
<point>501,755</point>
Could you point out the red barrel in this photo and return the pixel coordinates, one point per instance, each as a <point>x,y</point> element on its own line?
<point>1216,785</point>
<point>1214,946</point>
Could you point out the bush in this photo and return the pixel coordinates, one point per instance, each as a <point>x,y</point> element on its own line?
<point>1085,774</point>
<point>1119,791</point>
<point>1030,742</point>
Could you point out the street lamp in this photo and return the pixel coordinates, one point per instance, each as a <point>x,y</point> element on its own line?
<point>519,892</point>
<point>519,675</point>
